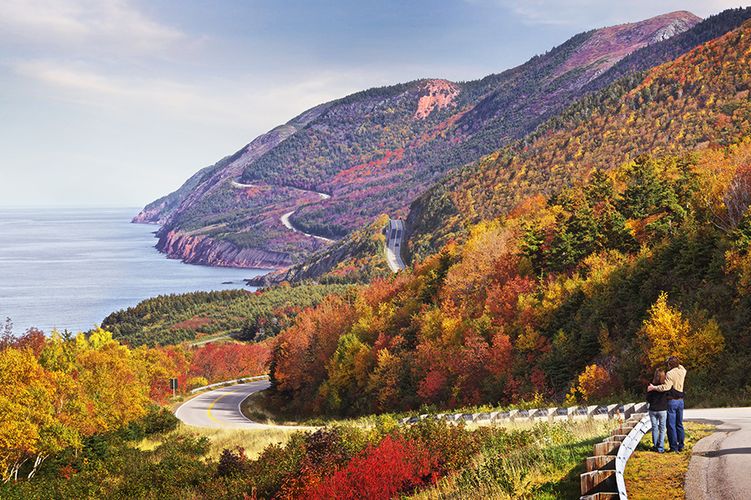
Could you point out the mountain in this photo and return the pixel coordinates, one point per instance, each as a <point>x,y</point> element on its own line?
<point>336,167</point>
<point>698,100</point>
<point>575,261</point>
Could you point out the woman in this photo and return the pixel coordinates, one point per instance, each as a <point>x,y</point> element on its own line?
<point>658,411</point>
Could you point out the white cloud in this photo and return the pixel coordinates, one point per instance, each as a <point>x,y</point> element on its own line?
<point>99,24</point>
<point>109,55</point>
<point>256,104</point>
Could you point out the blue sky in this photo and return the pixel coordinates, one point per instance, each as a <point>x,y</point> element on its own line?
<point>117,102</point>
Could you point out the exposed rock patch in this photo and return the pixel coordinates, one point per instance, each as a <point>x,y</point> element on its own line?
<point>437,95</point>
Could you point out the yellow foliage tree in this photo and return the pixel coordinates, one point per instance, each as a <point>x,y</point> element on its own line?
<point>33,423</point>
<point>666,333</point>
<point>592,383</point>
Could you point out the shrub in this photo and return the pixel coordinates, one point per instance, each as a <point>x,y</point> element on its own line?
<point>232,463</point>
<point>394,466</point>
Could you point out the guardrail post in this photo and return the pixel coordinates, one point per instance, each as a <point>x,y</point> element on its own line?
<point>613,410</point>
<point>539,414</point>
<point>605,470</point>
<point>561,414</point>
<point>628,410</point>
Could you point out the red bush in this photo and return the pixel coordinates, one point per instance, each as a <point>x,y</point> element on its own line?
<point>394,466</point>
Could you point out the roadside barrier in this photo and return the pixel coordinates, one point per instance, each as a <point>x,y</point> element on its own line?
<point>229,382</point>
<point>594,412</point>
<point>604,478</point>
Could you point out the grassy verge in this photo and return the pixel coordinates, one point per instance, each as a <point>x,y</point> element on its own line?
<point>252,441</point>
<point>651,475</point>
<point>547,469</point>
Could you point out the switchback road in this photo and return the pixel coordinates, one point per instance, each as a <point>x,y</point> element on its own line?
<point>285,218</point>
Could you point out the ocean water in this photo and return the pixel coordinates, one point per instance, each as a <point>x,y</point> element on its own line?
<point>70,268</point>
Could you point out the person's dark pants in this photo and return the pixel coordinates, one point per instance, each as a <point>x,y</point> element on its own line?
<point>676,434</point>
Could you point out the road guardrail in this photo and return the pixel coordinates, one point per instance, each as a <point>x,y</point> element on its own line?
<point>229,382</point>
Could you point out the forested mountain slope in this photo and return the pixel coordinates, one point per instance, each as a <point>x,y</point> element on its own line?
<point>578,297</point>
<point>614,236</point>
<point>341,164</point>
<point>699,100</point>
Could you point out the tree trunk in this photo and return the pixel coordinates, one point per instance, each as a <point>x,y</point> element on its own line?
<point>37,462</point>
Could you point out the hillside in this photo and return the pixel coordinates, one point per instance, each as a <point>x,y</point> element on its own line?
<point>576,299</point>
<point>339,165</point>
<point>180,318</point>
<point>699,100</point>
<point>614,236</point>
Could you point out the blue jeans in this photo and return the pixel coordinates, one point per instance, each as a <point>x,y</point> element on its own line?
<point>658,419</point>
<point>676,435</point>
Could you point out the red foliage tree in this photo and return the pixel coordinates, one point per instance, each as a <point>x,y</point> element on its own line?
<point>392,467</point>
<point>218,362</point>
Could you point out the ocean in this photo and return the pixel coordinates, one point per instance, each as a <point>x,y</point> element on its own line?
<point>70,268</point>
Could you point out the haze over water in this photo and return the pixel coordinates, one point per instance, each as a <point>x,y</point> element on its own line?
<point>69,268</point>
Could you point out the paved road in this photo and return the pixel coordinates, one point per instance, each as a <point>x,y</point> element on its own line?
<point>240,185</point>
<point>285,218</point>
<point>220,408</point>
<point>394,242</point>
<point>720,466</point>
<point>288,224</point>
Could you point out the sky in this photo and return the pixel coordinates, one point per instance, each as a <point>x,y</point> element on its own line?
<point>117,102</point>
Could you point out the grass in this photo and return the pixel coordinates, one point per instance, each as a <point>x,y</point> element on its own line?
<point>651,475</point>
<point>253,441</point>
<point>259,407</point>
<point>548,469</point>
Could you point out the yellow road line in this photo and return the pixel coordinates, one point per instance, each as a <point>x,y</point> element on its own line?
<point>211,406</point>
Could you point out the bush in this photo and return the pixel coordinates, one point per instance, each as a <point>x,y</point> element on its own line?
<point>157,420</point>
<point>394,466</point>
<point>232,463</point>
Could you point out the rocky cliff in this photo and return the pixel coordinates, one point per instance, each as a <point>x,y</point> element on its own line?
<point>201,249</point>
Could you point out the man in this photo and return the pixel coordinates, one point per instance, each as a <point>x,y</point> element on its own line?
<point>674,387</point>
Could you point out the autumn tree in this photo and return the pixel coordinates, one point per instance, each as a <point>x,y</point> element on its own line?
<point>666,333</point>
<point>595,382</point>
<point>31,426</point>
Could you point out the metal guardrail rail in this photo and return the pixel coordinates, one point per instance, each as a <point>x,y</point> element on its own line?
<point>592,412</point>
<point>626,450</point>
<point>604,478</point>
<point>229,382</point>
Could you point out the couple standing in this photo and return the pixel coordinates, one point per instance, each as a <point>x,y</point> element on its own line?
<point>665,398</point>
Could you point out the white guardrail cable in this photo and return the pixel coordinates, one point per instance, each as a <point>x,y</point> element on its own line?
<point>242,380</point>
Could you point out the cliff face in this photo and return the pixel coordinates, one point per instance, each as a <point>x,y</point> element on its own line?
<point>375,151</point>
<point>201,249</point>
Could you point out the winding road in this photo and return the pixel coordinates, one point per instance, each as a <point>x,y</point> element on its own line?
<point>220,408</point>
<point>285,218</point>
<point>720,465</point>
<point>394,230</point>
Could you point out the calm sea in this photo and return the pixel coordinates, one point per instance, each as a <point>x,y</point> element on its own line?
<point>69,268</point>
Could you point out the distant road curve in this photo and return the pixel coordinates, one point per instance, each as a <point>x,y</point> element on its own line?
<point>394,242</point>
<point>220,409</point>
<point>288,224</point>
<point>720,465</point>
<point>285,218</point>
